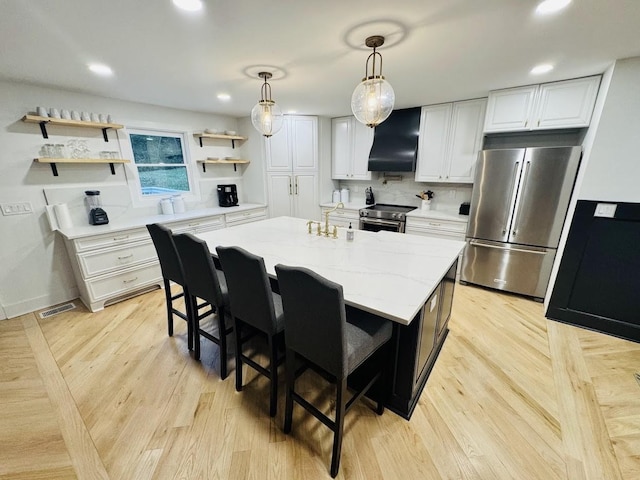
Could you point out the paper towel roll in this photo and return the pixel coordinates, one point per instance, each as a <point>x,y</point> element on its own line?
<point>62,215</point>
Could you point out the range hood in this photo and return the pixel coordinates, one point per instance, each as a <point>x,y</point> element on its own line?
<point>395,142</point>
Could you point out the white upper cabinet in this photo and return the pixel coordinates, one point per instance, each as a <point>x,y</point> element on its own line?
<point>450,138</point>
<point>295,146</point>
<point>351,142</point>
<point>566,104</point>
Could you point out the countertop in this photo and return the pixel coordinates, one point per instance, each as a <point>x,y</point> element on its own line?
<point>134,222</point>
<point>386,273</point>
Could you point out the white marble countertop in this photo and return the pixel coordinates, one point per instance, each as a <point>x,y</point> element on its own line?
<point>386,273</point>
<point>134,222</point>
<point>347,206</point>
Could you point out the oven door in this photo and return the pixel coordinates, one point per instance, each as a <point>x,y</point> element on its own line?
<point>377,224</point>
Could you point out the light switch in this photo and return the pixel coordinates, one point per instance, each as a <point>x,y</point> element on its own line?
<point>605,210</point>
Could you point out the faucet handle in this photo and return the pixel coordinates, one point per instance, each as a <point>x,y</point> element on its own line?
<point>319,228</point>
<point>309,223</point>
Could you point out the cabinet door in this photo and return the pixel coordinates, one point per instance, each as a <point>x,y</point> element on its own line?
<point>567,104</point>
<point>362,141</point>
<point>435,122</point>
<point>342,151</point>
<point>510,109</point>
<point>305,194</point>
<point>465,140</point>
<point>277,150</point>
<point>304,143</point>
<point>280,193</point>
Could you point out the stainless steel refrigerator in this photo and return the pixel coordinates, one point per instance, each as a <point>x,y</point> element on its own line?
<point>518,206</point>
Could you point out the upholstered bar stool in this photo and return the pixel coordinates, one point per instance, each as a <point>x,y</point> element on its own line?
<point>253,304</point>
<point>204,281</point>
<point>318,331</point>
<point>171,272</point>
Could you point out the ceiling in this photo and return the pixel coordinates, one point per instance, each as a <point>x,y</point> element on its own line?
<point>436,50</point>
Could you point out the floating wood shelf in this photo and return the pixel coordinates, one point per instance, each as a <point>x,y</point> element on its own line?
<point>220,161</point>
<point>219,136</point>
<point>44,121</point>
<point>54,161</point>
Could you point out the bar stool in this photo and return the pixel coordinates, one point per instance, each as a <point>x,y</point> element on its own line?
<point>320,331</point>
<point>253,304</point>
<point>204,281</point>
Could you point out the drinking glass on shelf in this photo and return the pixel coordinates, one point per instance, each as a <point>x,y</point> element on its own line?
<point>47,150</point>
<point>105,155</point>
<point>58,151</point>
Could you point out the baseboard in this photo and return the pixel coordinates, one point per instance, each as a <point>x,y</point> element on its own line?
<point>38,303</point>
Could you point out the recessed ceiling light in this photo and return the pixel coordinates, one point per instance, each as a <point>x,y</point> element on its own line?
<point>100,69</point>
<point>188,5</point>
<point>551,6</point>
<point>542,68</point>
<point>224,97</point>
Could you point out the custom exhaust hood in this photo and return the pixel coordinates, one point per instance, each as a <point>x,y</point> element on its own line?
<point>395,142</point>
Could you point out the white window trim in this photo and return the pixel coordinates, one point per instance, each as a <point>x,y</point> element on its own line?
<point>131,170</point>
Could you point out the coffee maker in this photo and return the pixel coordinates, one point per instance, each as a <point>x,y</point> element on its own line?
<point>227,195</point>
<point>97,216</point>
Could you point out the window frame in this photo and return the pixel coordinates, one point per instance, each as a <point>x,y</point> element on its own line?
<point>133,178</point>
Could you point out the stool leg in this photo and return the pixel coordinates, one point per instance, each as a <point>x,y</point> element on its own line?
<point>222,332</point>
<point>273,370</point>
<point>238,333</point>
<point>339,425</point>
<point>290,375</point>
<point>169,302</point>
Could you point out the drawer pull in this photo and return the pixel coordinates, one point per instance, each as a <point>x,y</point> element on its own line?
<point>131,280</point>
<point>124,237</point>
<point>125,257</point>
<point>435,224</point>
<point>194,224</point>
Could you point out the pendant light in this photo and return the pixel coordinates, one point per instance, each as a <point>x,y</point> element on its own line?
<point>266,116</point>
<point>372,100</point>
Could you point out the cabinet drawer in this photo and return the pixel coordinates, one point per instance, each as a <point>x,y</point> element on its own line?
<point>444,226</point>
<point>110,239</point>
<point>102,261</point>
<point>238,218</point>
<point>197,225</point>
<point>125,281</point>
<point>435,233</point>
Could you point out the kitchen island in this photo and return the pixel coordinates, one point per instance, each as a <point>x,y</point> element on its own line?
<point>406,279</point>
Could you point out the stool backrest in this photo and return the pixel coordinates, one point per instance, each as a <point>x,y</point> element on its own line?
<point>167,254</point>
<point>199,269</point>
<point>250,296</point>
<point>314,317</point>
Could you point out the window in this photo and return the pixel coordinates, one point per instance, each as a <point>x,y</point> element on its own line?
<point>161,162</point>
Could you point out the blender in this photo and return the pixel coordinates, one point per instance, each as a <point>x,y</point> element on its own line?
<point>97,216</point>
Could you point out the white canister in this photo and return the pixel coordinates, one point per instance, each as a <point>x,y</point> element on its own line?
<point>178,204</point>
<point>336,196</point>
<point>166,206</point>
<point>344,195</point>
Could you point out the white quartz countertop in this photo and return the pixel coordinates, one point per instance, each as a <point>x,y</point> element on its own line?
<point>386,273</point>
<point>347,206</point>
<point>121,224</point>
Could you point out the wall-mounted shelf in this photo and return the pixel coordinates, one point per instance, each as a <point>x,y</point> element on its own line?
<point>44,121</point>
<point>219,136</point>
<point>54,161</point>
<point>219,161</point>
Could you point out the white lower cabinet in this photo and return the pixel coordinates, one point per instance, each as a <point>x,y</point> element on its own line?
<point>293,195</point>
<point>433,227</point>
<point>114,266</point>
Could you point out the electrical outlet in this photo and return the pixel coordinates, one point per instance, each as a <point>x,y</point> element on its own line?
<point>19,208</point>
<point>605,210</point>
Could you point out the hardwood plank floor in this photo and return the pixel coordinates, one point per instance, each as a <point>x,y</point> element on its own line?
<point>512,396</point>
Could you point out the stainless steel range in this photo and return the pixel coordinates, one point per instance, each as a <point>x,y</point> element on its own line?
<point>382,216</point>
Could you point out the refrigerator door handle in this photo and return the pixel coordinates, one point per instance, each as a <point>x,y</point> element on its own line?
<point>516,176</point>
<point>523,185</point>
<point>497,247</point>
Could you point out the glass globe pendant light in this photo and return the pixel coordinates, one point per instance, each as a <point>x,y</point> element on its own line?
<point>372,100</point>
<point>266,116</point>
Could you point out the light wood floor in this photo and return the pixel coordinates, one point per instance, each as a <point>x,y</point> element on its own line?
<point>513,396</point>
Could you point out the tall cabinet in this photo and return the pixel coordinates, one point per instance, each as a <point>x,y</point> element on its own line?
<point>351,144</point>
<point>292,168</point>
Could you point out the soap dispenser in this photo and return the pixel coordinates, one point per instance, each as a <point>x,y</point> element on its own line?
<point>350,233</point>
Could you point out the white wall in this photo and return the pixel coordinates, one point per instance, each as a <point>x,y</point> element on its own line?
<point>35,268</point>
<point>613,170</point>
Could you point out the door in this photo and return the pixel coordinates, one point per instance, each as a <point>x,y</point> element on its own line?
<point>435,122</point>
<point>304,142</point>
<point>567,104</point>
<point>305,196</point>
<point>342,147</point>
<point>508,267</point>
<point>494,193</point>
<point>465,140</point>
<point>277,150</point>
<point>548,175</point>
<point>510,109</point>
<point>362,141</point>
<point>280,190</point>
